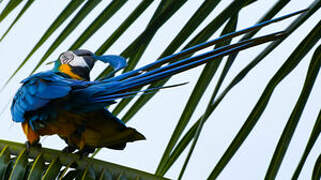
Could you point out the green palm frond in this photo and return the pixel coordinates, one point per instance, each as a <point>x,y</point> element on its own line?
<point>18,163</point>
<point>313,138</point>
<point>11,5</point>
<point>69,9</point>
<point>317,169</point>
<point>23,10</point>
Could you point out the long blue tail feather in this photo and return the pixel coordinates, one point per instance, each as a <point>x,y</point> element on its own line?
<point>103,92</point>
<point>186,64</point>
<point>86,93</point>
<point>198,47</point>
<point>111,97</point>
<point>255,41</point>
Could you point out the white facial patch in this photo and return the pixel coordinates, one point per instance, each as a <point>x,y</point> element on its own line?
<point>78,62</point>
<point>72,59</point>
<point>66,57</point>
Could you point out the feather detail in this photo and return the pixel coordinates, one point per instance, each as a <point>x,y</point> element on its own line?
<point>65,68</point>
<point>31,135</point>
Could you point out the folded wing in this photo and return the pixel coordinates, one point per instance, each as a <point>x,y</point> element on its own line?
<point>38,91</point>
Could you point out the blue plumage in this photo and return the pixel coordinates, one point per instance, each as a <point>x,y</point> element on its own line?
<point>64,102</point>
<point>37,91</point>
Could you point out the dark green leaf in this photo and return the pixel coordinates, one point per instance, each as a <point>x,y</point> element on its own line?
<point>53,170</point>
<point>317,169</point>
<point>289,129</point>
<point>12,4</point>
<point>188,136</point>
<point>313,138</point>
<point>105,175</point>
<point>88,173</point>
<point>27,5</point>
<point>101,19</point>
<point>187,113</point>
<point>121,177</point>
<point>81,15</point>
<point>69,9</point>
<point>4,162</point>
<point>123,27</point>
<point>37,168</point>
<point>19,167</point>
<point>71,175</point>
<point>204,35</point>
<point>202,84</point>
<point>186,31</point>
<point>64,172</point>
<point>180,147</point>
<point>67,159</point>
<point>271,13</point>
<point>286,68</point>
<point>134,51</point>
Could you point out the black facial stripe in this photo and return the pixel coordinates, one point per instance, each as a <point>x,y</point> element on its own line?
<point>90,61</point>
<point>82,72</point>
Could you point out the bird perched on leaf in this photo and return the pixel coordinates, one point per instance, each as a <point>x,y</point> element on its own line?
<point>65,102</point>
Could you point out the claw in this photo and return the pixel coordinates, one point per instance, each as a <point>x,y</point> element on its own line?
<point>85,151</point>
<point>35,145</point>
<point>69,149</point>
<point>27,143</point>
<point>82,154</point>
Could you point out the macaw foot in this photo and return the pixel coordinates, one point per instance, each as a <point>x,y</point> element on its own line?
<point>85,151</point>
<point>69,149</point>
<point>29,145</point>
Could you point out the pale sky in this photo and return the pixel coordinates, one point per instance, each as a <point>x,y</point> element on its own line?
<point>159,117</point>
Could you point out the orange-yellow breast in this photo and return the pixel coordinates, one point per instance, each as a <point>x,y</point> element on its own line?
<point>65,68</point>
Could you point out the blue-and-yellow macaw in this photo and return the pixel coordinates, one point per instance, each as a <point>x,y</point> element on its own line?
<point>64,102</point>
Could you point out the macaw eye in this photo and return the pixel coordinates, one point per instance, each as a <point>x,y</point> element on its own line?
<point>66,58</point>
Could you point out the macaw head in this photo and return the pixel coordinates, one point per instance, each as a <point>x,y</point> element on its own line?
<point>77,63</point>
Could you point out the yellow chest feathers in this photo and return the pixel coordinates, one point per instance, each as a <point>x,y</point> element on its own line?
<point>65,68</point>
